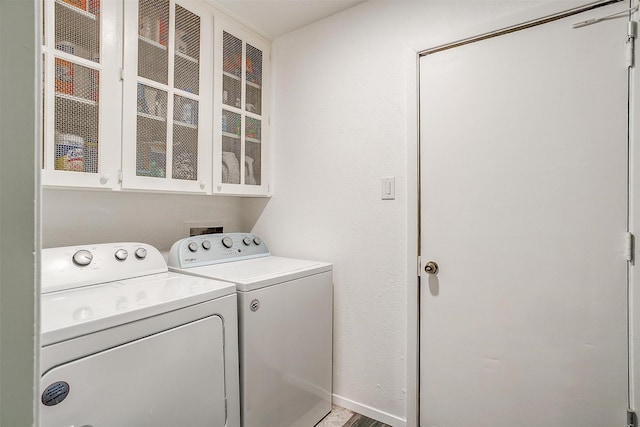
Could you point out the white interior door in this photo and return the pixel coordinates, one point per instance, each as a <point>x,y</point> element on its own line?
<point>524,209</point>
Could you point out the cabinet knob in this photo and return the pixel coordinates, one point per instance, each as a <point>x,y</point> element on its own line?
<point>104,179</point>
<point>202,184</point>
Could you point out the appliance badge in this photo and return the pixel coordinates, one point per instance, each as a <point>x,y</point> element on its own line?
<point>55,393</point>
<point>255,305</point>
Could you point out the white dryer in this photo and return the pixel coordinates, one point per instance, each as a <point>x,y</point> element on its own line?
<point>125,342</point>
<point>285,312</point>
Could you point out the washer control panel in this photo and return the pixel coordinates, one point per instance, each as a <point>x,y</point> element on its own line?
<point>76,266</point>
<point>209,249</point>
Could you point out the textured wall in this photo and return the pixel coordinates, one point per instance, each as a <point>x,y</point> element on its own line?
<point>340,120</point>
<point>72,217</point>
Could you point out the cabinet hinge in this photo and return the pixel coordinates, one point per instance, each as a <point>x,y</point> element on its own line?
<point>629,247</point>
<point>419,265</point>
<point>632,35</point>
<point>632,419</point>
<point>121,74</point>
<point>119,176</point>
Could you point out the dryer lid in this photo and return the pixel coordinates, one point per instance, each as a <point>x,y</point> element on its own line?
<point>74,312</point>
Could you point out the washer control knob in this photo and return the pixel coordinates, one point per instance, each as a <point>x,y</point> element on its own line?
<point>141,253</point>
<point>246,241</point>
<point>257,240</point>
<point>82,257</point>
<point>121,254</point>
<point>206,245</point>
<point>227,242</point>
<point>193,246</point>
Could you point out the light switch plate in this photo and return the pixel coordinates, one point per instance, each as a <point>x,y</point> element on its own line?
<point>388,188</point>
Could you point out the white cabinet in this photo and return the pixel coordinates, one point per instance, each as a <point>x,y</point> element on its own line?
<point>145,95</point>
<point>80,54</point>
<point>167,96</point>
<point>241,155</point>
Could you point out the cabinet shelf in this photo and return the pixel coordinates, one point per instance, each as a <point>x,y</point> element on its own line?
<point>152,43</point>
<point>255,141</point>
<point>77,10</point>
<point>185,125</point>
<point>152,117</point>
<point>231,135</point>
<point>77,99</point>
<point>238,78</point>
<point>186,57</point>
<point>231,76</point>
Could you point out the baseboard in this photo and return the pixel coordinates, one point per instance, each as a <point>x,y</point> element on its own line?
<point>368,411</point>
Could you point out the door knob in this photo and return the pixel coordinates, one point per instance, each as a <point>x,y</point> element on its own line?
<point>431,267</point>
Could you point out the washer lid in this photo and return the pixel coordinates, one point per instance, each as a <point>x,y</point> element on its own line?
<point>259,272</point>
<point>74,312</point>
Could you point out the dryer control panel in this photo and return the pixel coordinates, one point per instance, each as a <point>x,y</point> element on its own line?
<point>76,266</point>
<point>208,249</point>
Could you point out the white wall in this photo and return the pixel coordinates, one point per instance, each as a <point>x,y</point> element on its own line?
<point>342,119</point>
<point>72,217</point>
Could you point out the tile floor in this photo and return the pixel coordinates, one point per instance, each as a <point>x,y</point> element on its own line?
<point>341,417</point>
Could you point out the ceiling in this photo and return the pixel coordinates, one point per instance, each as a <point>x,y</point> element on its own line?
<point>273,18</point>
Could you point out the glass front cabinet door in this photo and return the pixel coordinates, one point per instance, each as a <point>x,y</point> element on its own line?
<point>167,88</point>
<point>240,158</point>
<point>80,62</point>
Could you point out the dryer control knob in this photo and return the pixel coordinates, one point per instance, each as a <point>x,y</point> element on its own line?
<point>121,254</point>
<point>206,245</point>
<point>246,241</point>
<point>257,240</point>
<point>141,253</point>
<point>82,257</point>
<point>227,242</point>
<point>193,246</point>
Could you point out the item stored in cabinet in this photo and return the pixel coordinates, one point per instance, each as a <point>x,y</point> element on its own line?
<point>69,152</point>
<point>80,4</point>
<point>64,76</point>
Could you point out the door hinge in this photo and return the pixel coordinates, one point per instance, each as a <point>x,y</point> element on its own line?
<point>632,34</point>
<point>629,246</point>
<point>632,419</point>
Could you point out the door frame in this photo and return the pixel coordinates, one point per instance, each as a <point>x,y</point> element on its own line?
<point>530,18</point>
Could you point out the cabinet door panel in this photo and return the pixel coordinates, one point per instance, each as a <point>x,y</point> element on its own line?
<point>163,70</point>
<point>77,63</point>
<point>240,157</point>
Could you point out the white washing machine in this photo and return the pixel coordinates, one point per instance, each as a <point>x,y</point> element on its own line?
<point>285,313</point>
<point>125,342</point>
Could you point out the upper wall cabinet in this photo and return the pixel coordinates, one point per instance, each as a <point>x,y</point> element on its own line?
<point>80,54</point>
<point>241,137</point>
<point>167,96</point>
<point>144,95</point>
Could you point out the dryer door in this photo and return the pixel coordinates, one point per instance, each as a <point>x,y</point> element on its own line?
<point>172,378</point>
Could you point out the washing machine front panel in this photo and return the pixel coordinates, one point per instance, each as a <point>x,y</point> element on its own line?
<point>286,367</point>
<point>172,378</point>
